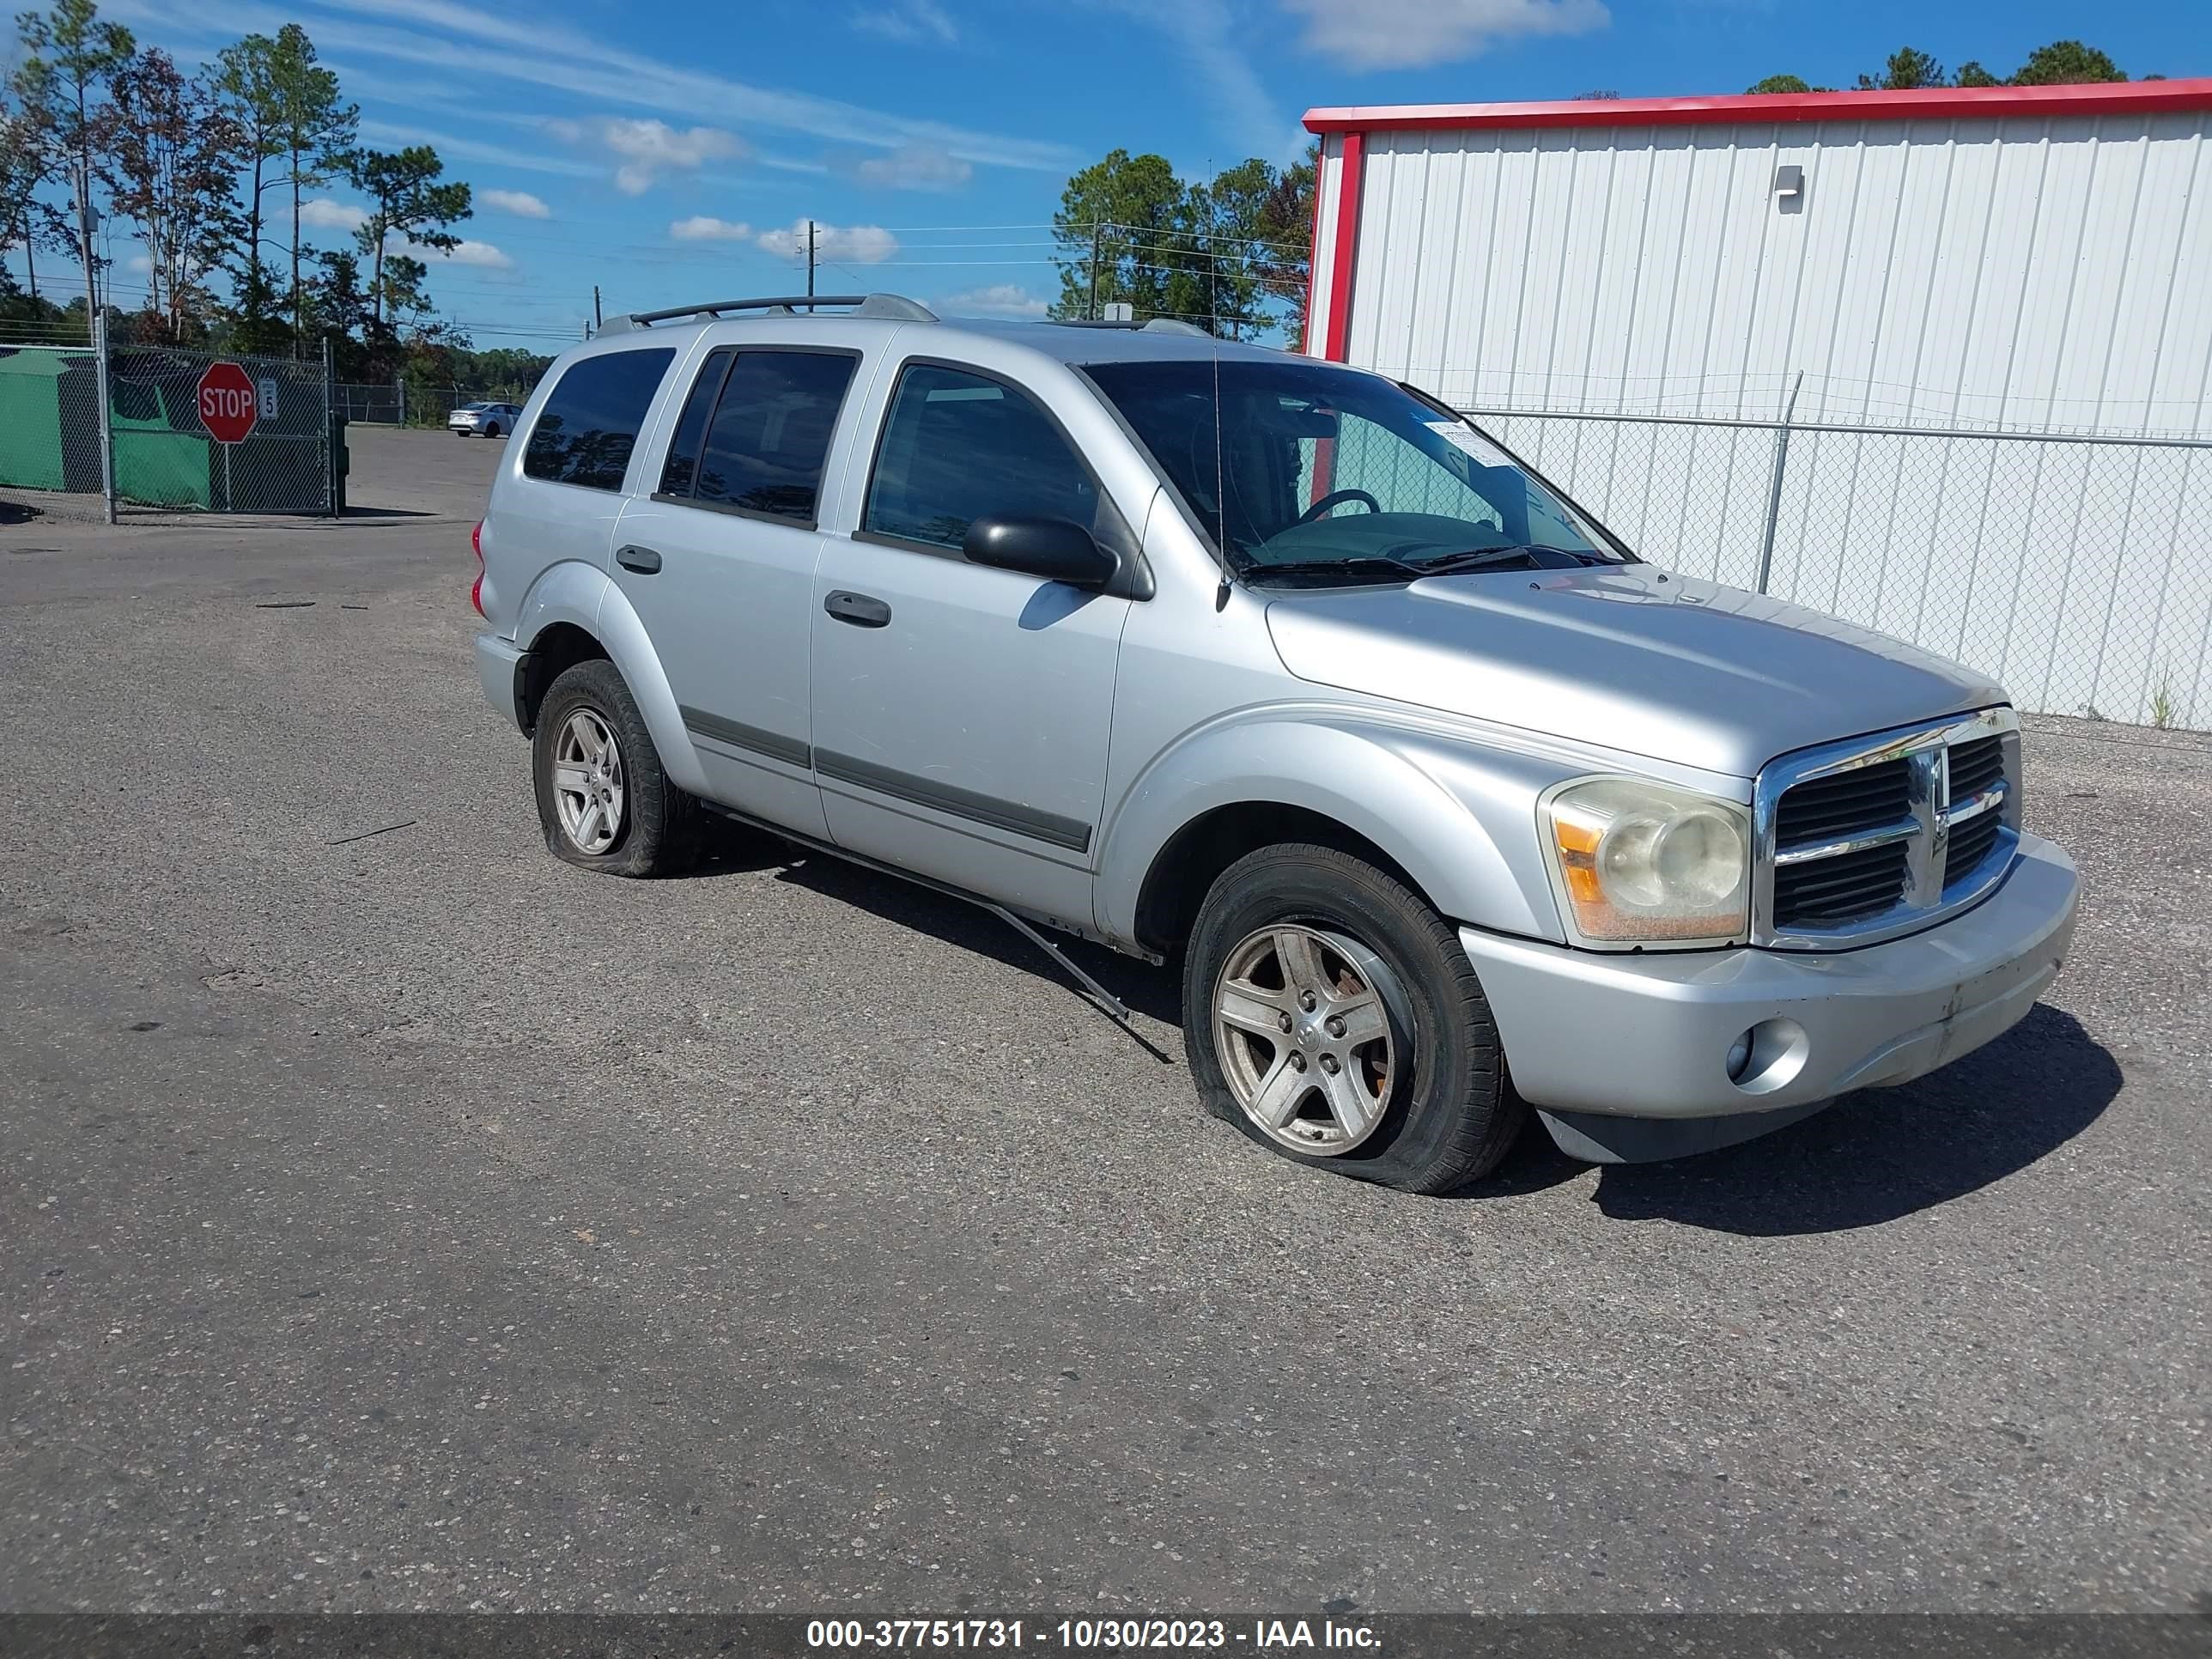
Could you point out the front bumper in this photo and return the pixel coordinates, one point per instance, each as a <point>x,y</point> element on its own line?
<point>1591,1037</point>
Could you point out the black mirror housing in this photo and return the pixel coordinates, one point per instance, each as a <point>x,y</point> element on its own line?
<point>1057,549</point>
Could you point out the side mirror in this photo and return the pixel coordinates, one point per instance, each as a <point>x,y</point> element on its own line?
<point>1055,549</point>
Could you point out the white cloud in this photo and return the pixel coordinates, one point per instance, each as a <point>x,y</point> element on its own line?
<point>1401,33</point>
<point>909,20</point>
<point>855,245</point>
<point>326,214</point>
<point>541,52</point>
<point>464,252</point>
<point>520,202</point>
<point>700,227</point>
<point>473,253</point>
<point>649,148</point>
<point>915,167</point>
<point>997,300</point>
<point>450,149</point>
<point>1206,33</point>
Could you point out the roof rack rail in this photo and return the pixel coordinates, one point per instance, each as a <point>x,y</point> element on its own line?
<point>1149,325</point>
<point>891,307</point>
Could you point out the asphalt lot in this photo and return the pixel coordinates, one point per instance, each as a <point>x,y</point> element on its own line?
<point>405,1221</point>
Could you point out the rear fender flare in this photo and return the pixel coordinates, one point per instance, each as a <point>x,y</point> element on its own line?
<point>582,595</point>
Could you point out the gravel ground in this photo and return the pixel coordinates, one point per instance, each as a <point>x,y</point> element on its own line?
<point>393,1218</point>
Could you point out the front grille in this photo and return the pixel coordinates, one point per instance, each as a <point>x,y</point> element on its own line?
<point>1975,765</point>
<point>1828,892</point>
<point>1970,844</point>
<point>1932,849</point>
<point>1843,804</point>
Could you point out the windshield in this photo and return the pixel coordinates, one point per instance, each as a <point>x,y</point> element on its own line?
<point>1321,472</point>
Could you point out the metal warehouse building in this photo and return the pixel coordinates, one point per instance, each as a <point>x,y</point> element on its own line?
<point>1937,361</point>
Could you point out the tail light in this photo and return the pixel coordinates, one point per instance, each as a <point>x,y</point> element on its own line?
<point>476,588</point>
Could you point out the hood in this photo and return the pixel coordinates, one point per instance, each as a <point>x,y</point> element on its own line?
<point>1628,657</point>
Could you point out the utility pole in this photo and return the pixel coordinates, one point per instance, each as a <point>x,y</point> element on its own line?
<point>1093,313</point>
<point>598,321</point>
<point>810,261</point>
<point>84,221</point>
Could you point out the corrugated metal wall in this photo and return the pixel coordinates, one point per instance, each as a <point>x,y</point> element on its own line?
<point>2044,274</point>
<point>2051,272</point>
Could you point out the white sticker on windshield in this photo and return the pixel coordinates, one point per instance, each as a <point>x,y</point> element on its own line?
<point>1460,438</point>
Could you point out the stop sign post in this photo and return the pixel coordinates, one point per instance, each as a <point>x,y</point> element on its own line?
<point>227,404</point>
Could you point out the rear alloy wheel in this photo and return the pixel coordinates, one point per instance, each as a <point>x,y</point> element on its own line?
<point>587,783</point>
<point>602,800</point>
<point>1332,1015</point>
<point>492,431</point>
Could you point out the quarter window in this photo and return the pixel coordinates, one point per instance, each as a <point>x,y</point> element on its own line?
<point>957,446</point>
<point>591,420</point>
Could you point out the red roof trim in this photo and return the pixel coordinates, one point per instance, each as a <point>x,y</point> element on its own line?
<point>1931,103</point>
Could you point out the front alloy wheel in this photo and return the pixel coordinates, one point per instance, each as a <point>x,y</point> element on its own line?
<point>1307,1037</point>
<point>1332,1016</point>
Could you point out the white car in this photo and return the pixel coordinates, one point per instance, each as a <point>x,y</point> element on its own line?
<point>484,420</point>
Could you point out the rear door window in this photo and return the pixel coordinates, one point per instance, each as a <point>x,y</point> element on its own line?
<point>958,445</point>
<point>676,472</point>
<point>762,451</point>
<point>591,420</point>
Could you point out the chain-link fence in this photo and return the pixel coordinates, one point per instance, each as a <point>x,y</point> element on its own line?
<point>398,405</point>
<point>49,445</point>
<point>2076,569</point>
<point>166,410</point>
<point>365,402</point>
<point>101,433</point>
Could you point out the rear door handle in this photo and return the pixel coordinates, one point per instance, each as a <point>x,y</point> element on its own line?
<point>858,609</point>
<point>643,560</point>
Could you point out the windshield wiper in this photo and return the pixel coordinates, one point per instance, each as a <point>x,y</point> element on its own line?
<point>1479,558</point>
<point>1368,565</point>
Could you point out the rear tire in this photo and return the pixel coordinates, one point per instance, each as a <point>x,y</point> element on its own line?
<point>603,800</point>
<point>1435,1109</point>
<point>492,431</point>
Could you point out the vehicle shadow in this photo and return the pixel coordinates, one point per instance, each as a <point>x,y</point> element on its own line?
<point>1152,992</point>
<point>1873,1157</point>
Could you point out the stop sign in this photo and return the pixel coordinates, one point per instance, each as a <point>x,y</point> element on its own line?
<point>226,403</point>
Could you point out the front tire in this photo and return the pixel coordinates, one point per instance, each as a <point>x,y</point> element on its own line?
<point>604,800</point>
<point>1331,1014</point>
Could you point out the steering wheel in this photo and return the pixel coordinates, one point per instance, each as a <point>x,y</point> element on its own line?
<point>1337,498</point>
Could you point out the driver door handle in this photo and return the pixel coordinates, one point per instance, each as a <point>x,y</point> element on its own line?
<point>860,609</point>
<point>643,560</point>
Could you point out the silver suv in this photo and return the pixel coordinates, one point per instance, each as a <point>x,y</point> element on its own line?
<point>1448,804</point>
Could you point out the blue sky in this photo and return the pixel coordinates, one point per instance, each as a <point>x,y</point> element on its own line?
<point>666,152</point>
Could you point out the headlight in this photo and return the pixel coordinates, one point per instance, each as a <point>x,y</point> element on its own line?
<point>1641,863</point>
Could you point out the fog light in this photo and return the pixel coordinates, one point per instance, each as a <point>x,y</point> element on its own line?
<point>1769,1056</point>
